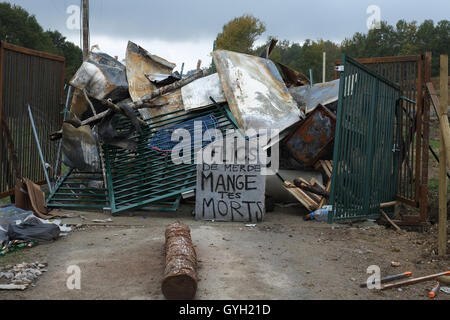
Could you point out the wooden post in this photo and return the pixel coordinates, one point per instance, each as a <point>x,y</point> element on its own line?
<point>85,29</point>
<point>442,241</point>
<point>324,70</point>
<point>425,114</point>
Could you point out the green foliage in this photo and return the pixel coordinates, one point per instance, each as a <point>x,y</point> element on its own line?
<point>405,38</point>
<point>240,34</point>
<point>72,53</point>
<point>307,56</point>
<point>20,28</point>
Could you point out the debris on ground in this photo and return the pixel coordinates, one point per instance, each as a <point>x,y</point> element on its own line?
<point>21,276</point>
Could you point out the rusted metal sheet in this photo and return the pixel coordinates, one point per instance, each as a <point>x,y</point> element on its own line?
<point>255,91</point>
<point>102,77</point>
<point>291,77</point>
<point>140,64</point>
<point>180,274</point>
<point>321,93</point>
<point>196,95</point>
<point>35,78</point>
<point>313,136</point>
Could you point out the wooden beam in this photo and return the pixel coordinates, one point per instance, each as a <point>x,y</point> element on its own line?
<point>415,280</point>
<point>390,221</point>
<point>444,125</point>
<point>445,131</point>
<point>301,196</point>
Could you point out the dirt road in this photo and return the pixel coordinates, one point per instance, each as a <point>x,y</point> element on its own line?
<point>281,258</point>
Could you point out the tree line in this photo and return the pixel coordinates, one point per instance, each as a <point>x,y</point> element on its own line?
<point>20,28</point>
<point>405,38</point>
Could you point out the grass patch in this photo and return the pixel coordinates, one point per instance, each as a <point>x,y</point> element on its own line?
<point>435,145</point>
<point>433,185</point>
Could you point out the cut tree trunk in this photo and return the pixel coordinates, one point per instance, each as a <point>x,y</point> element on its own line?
<point>180,275</point>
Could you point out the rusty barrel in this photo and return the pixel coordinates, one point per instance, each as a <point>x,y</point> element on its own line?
<point>180,275</point>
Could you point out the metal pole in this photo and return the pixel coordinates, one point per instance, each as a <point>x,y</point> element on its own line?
<point>324,73</point>
<point>58,154</point>
<point>311,77</point>
<point>39,148</point>
<point>85,29</point>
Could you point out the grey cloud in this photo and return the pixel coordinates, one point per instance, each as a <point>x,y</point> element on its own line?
<point>193,19</point>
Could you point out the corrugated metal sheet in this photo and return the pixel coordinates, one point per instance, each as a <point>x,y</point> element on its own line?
<point>255,91</point>
<point>35,78</point>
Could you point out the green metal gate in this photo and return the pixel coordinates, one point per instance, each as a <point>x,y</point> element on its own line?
<point>366,148</point>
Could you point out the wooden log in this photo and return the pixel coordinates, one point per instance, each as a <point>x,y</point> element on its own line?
<point>390,221</point>
<point>180,275</point>
<point>171,87</point>
<point>316,189</point>
<point>388,204</point>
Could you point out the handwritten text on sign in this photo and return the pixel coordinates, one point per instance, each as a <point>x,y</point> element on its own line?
<point>230,192</point>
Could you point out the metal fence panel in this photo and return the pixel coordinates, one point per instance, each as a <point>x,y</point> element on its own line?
<point>149,176</point>
<point>365,158</point>
<point>407,73</point>
<point>34,78</point>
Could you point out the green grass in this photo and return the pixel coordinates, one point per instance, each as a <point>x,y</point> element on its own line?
<point>433,185</point>
<point>435,145</point>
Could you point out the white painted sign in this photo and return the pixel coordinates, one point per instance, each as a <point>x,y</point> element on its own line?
<point>231,192</point>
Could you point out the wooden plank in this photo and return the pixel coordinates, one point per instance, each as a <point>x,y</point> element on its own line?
<point>301,196</point>
<point>390,221</point>
<point>324,201</point>
<point>442,237</point>
<point>31,52</point>
<point>314,182</point>
<point>325,168</point>
<point>415,280</point>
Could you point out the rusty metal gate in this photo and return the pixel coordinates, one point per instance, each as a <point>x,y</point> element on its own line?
<point>407,72</point>
<point>366,148</point>
<point>34,78</point>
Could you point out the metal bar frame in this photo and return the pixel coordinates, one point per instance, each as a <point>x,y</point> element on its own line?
<point>420,151</point>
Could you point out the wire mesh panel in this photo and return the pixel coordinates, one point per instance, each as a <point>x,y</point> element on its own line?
<point>365,151</point>
<point>149,175</point>
<point>34,78</point>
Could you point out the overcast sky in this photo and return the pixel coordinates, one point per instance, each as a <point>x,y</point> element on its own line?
<point>184,30</point>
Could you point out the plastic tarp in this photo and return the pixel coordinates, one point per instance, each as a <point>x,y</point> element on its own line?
<point>19,224</point>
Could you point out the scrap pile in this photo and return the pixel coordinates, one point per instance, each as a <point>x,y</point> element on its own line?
<point>120,121</point>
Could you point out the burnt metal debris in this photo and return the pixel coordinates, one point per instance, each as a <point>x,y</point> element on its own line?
<point>117,138</point>
<point>121,123</point>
